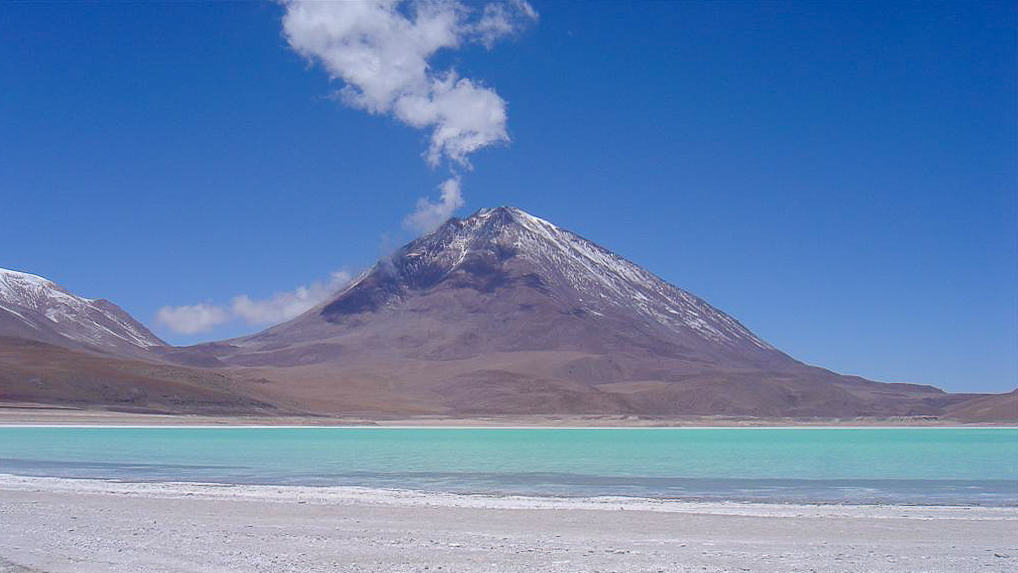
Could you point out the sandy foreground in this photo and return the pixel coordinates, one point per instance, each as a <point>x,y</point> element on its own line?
<point>59,525</point>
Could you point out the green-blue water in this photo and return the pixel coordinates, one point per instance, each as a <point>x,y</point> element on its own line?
<point>929,465</point>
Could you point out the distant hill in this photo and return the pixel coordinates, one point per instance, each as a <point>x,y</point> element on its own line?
<point>36,308</point>
<point>987,408</point>
<point>41,373</point>
<point>63,349</point>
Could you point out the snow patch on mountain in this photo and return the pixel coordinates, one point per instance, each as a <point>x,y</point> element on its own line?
<point>43,305</point>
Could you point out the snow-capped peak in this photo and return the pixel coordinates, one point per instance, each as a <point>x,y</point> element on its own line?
<point>595,279</point>
<point>519,215</point>
<point>15,284</point>
<point>40,309</point>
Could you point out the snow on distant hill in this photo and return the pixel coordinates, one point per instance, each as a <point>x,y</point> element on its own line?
<point>35,308</point>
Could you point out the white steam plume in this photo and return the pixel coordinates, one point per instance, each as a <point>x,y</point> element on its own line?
<point>380,50</point>
<point>429,215</point>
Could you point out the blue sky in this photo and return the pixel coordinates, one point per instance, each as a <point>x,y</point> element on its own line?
<point>840,178</point>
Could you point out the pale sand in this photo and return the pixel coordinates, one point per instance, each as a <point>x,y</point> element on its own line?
<point>82,526</point>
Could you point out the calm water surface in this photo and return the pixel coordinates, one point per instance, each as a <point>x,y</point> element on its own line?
<point>930,465</point>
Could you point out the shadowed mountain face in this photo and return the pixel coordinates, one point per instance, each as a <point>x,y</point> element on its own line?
<point>505,313</point>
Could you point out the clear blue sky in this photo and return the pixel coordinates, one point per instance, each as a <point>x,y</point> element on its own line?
<point>841,178</point>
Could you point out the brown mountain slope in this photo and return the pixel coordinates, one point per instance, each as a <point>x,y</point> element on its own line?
<point>992,408</point>
<point>37,372</point>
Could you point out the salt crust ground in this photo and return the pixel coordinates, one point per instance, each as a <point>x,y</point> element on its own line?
<point>57,525</point>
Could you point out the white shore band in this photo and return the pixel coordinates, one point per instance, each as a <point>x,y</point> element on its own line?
<point>411,498</point>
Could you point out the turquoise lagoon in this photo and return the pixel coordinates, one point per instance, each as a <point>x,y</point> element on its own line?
<point>953,466</point>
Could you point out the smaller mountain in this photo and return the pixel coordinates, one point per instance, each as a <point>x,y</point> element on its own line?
<point>60,349</point>
<point>35,308</point>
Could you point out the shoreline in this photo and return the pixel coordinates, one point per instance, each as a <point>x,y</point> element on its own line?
<point>58,525</point>
<point>73,425</point>
<point>421,498</point>
<point>29,415</point>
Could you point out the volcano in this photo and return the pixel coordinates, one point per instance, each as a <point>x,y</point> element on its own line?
<point>504,313</point>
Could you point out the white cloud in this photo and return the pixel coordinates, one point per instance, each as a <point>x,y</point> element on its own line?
<point>286,305</point>
<point>380,49</point>
<point>203,317</point>
<point>192,319</point>
<point>503,19</point>
<point>465,118</point>
<point>428,215</point>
